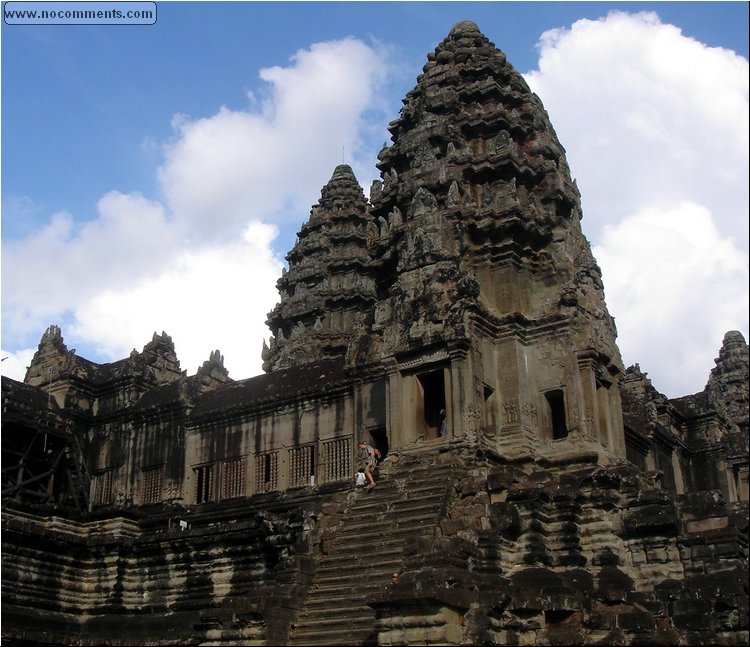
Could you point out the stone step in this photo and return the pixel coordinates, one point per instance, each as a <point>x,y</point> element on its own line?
<point>387,505</point>
<point>394,521</point>
<point>395,509</point>
<point>368,542</point>
<point>328,602</point>
<point>380,495</point>
<point>334,611</point>
<point>353,575</point>
<point>389,490</point>
<point>341,595</point>
<point>385,554</point>
<point>351,632</point>
<point>362,615</point>
<point>367,547</point>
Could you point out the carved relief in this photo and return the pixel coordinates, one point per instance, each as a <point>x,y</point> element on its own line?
<point>529,413</point>
<point>510,413</point>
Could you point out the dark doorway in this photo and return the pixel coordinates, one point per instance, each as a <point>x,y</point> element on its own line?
<point>380,440</point>
<point>556,402</point>
<point>432,388</point>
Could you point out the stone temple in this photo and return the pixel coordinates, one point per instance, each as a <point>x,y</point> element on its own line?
<point>534,490</point>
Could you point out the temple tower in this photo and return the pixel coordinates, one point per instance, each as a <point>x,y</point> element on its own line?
<point>467,279</point>
<point>328,287</point>
<point>493,301</point>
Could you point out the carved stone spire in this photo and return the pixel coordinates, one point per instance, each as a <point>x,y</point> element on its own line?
<point>329,285</point>
<point>157,363</point>
<point>51,359</point>
<point>727,384</point>
<point>491,214</point>
<point>212,373</point>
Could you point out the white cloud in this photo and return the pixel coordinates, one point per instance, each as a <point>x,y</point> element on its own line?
<point>64,264</point>
<point>14,363</point>
<point>201,269</point>
<point>216,297</point>
<point>655,125</point>
<point>679,286</point>
<point>269,161</point>
<point>647,113</point>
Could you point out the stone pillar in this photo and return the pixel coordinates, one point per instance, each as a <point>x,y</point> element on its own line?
<point>450,407</point>
<point>617,427</point>
<point>587,400</point>
<point>516,434</point>
<point>679,482</point>
<point>461,410</point>
<point>357,414</point>
<point>394,408</point>
<point>743,487</point>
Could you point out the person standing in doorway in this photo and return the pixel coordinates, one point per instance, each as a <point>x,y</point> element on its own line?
<point>443,424</point>
<point>368,455</point>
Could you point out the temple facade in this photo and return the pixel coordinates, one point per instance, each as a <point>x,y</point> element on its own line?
<point>456,320</point>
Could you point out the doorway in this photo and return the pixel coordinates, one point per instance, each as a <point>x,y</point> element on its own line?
<point>431,403</point>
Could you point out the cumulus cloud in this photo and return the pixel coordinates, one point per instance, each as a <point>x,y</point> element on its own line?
<point>66,263</point>
<point>655,125</point>
<point>679,289</point>
<point>14,363</point>
<point>215,297</point>
<point>201,266</point>
<point>648,113</point>
<point>268,161</point>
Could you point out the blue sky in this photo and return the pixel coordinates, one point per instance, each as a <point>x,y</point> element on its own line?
<point>154,177</point>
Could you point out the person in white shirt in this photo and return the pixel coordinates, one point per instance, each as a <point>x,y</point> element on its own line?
<point>368,455</point>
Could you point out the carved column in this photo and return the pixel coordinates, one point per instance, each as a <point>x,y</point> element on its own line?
<point>587,399</point>
<point>617,427</point>
<point>516,435</point>
<point>394,408</point>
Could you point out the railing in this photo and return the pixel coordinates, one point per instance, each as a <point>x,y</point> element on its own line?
<point>301,466</point>
<point>336,460</point>
<point>153,478</point>
<point>267,472</point>
<point>233,478</point>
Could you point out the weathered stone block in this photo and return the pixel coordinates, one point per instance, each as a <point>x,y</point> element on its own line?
<point>650,520</point>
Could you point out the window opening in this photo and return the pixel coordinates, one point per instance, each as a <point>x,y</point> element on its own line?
<point>302,465</point>
<point>204,477</point>
<point>102,488</point>
<point>380,440</point>
<point>233,478</point>
<point>337,460</point>
<point>267,472</point>
<point>556,402</point>
<point>489,407</point>
<point>152,482</point>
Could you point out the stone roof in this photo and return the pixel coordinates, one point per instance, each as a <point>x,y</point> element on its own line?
<point>161,397</point>
<point>26,397</point>
<point>313,378</point>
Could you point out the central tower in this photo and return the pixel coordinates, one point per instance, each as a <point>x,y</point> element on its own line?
<point>481,302</point>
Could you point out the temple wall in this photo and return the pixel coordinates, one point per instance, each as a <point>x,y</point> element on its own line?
<point>122,580</point>
<point>576,554</point>
<point>281,449</point>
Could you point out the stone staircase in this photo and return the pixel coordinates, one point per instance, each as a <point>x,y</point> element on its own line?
<point>368,547</point>
<point>77,475</point>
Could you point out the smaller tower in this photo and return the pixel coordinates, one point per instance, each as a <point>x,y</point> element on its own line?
<point>328,287</point>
